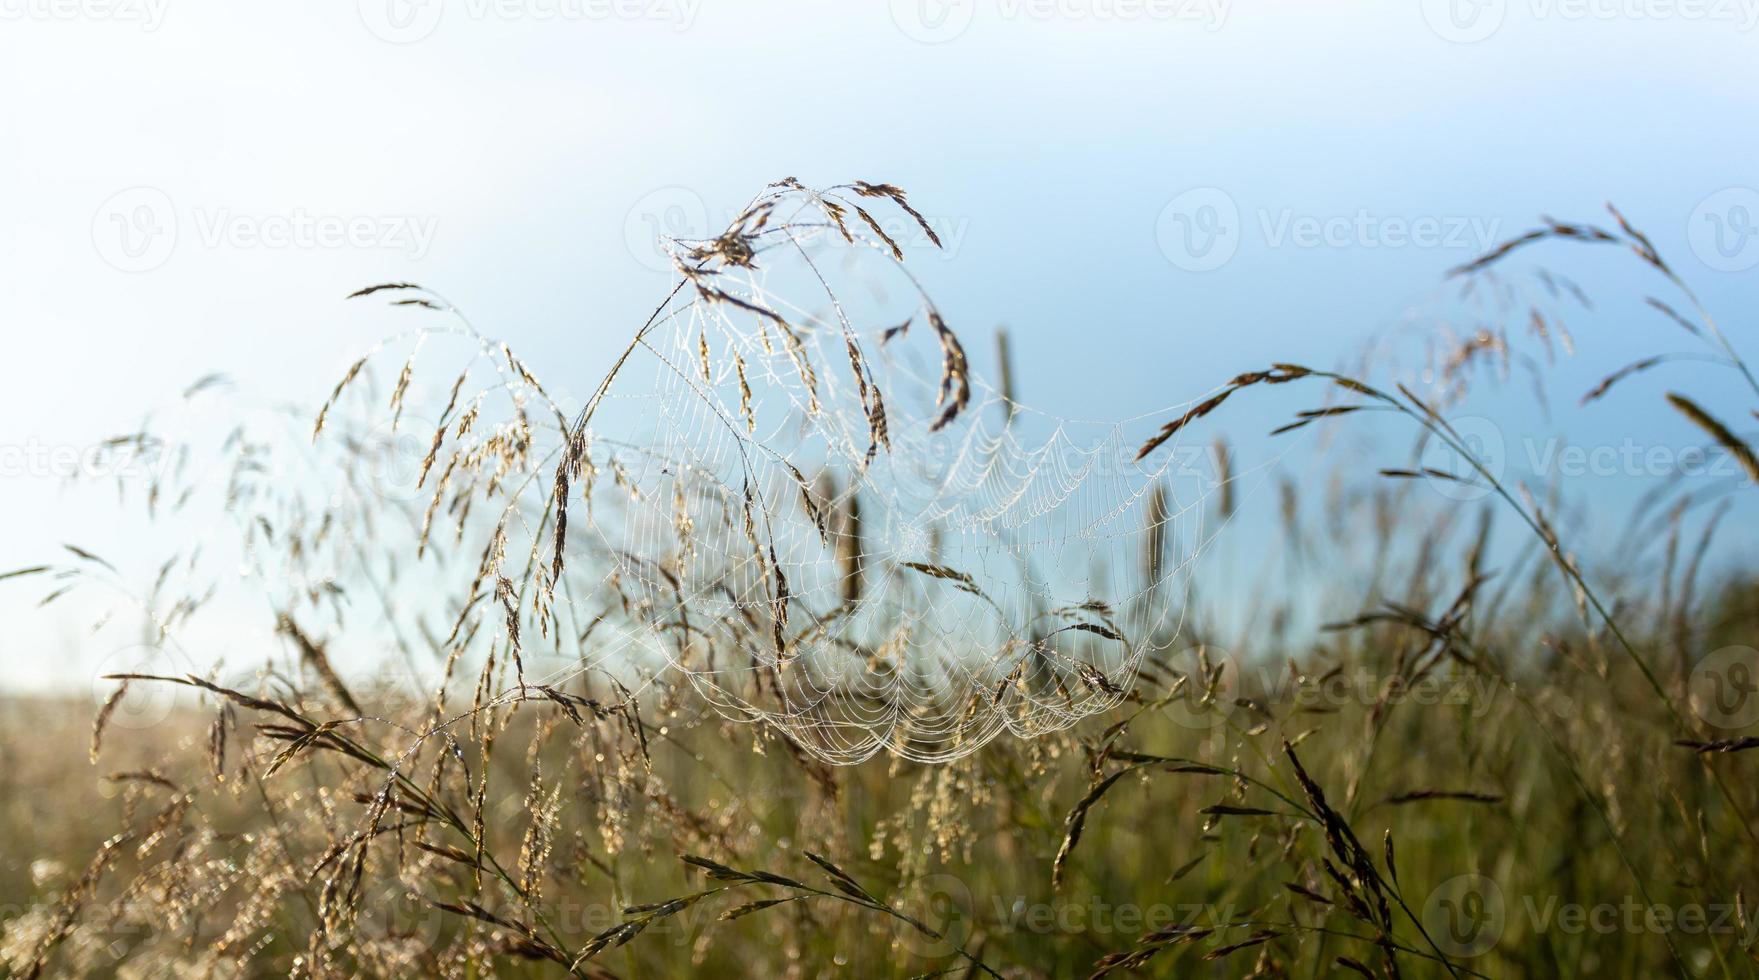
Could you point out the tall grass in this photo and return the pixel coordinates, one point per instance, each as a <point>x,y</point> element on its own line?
<point>1503,754</point>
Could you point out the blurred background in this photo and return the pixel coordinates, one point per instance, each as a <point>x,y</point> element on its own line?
<point>1150,195</point>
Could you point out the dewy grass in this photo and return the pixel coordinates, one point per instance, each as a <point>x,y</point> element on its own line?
<point>735,693</point>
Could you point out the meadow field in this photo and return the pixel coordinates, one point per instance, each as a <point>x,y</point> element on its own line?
<point>744,694</point>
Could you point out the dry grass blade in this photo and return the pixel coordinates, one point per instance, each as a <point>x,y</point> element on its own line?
<point>1076,820</point>
<point>892,333</point>
<point>1741,744</point>
<point>1228,810</point>
<point>897,253</point>
<point>324,412</point>
<point>1312,415</point>
<point>1742,453</point>
<point>1147,948</point>
<point>779,605</point>
<point>740,911</point>
<point>1417,796</point>
<point>896,194</point>
<point>1675,316</point>
<point>961,580</point>
<point>955,386</point>
<point>1606,383</point>
<point>1552,230</point>
<point>841,878</point>
<point>259,704</point>
<point>381,287</point>
<point>1256,939</point>
<point>1427,472</point>
<point>1277,374</point>
<point>315,658</point>
<point>102,719</point>
<point>84,555</point>
<point>1172,428</point>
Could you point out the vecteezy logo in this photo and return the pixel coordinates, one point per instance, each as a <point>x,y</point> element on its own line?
<point>1724,230</point>
<point>933,21</point>
<point>143,704</point>
<point>1464,21</point>
<point>396,915</point>
<point>136,229</point>
<point>1455,474</point>
<point>393,453</point>
<point>401,21</point>
<point>941,903</point>
<point>1199,230</point>
<point>920,471</point>
<point>1724,688</point>
<point>660,217</point>
<point>1465,915</point>
<point>389,688</point>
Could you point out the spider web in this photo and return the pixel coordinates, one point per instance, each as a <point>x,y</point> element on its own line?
<point>798,501</point>
<point>915,577</point>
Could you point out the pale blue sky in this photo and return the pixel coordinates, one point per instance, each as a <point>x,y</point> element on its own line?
<point>508,154</point>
